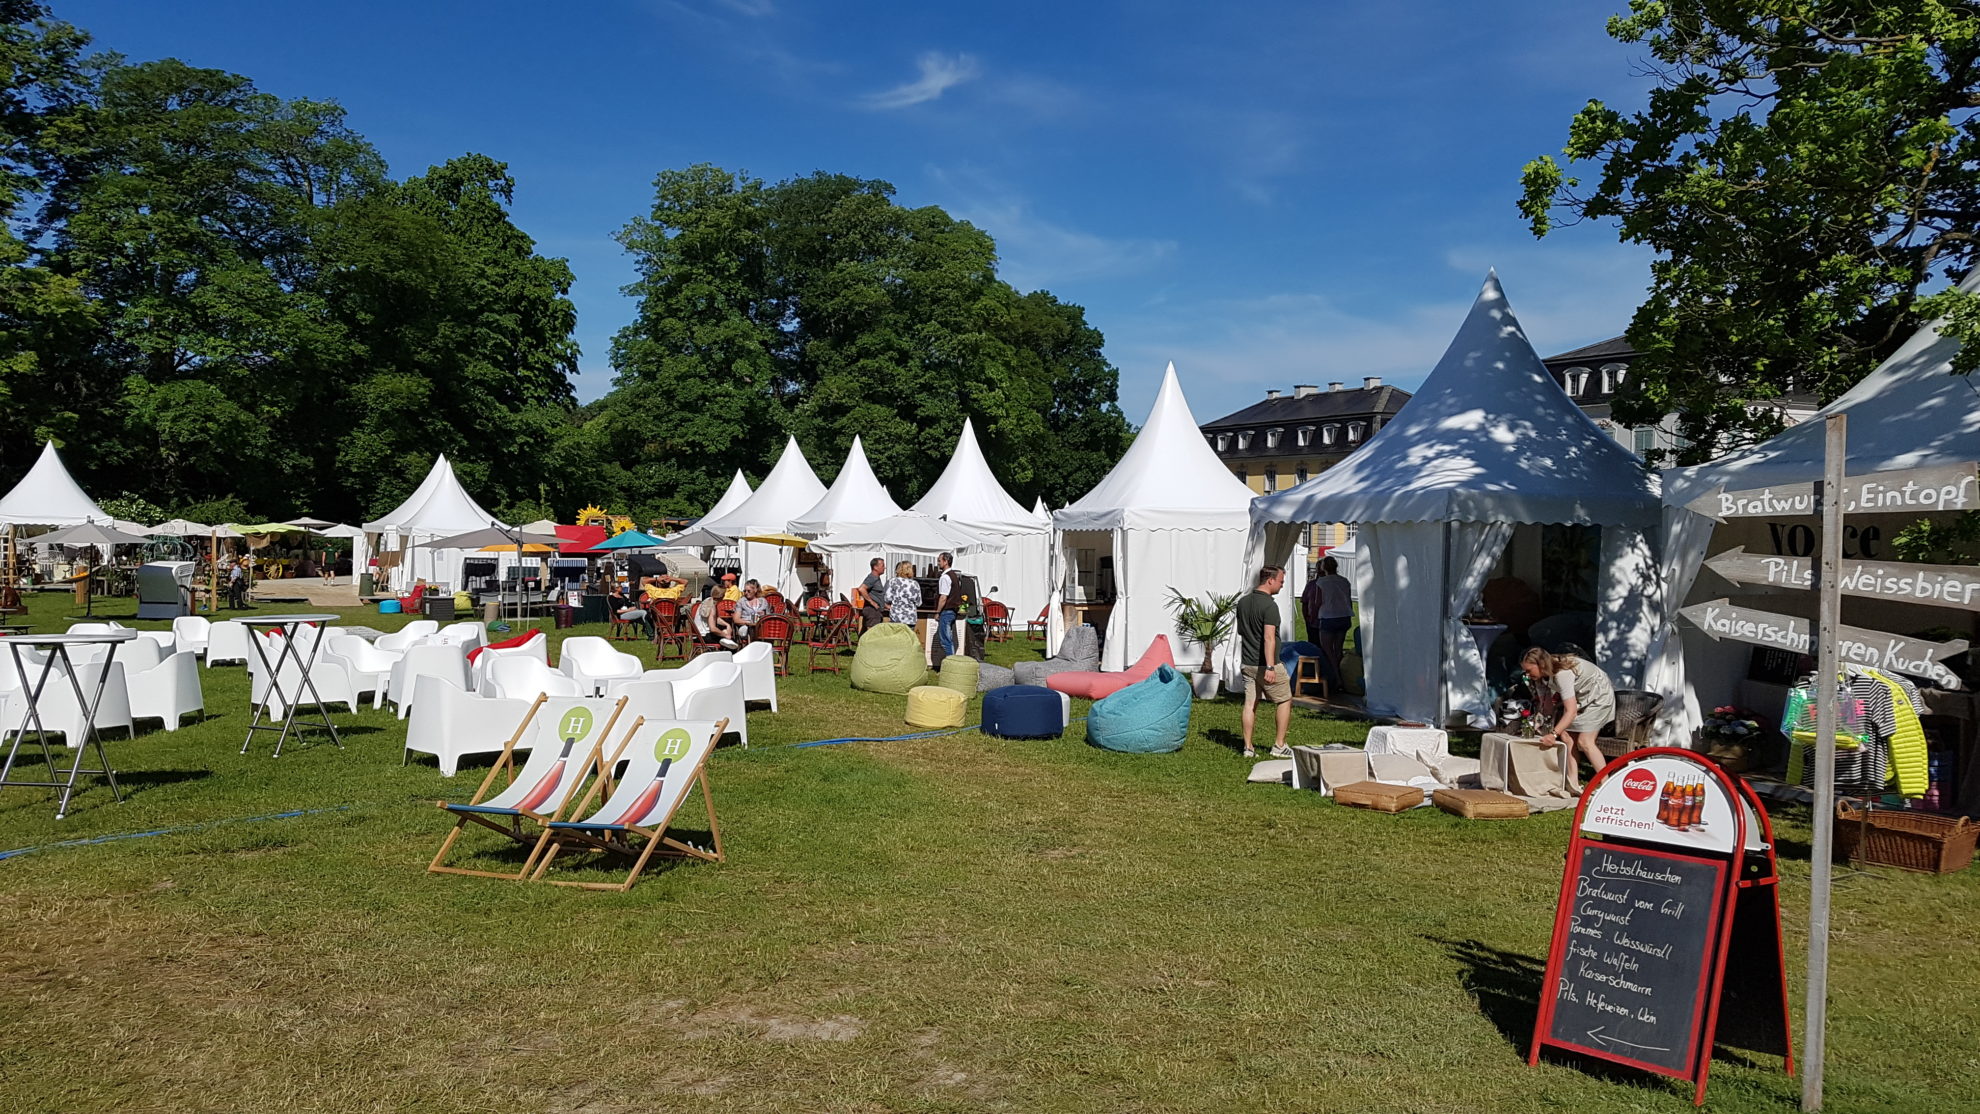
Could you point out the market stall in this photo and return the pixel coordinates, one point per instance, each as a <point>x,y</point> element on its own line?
<point>968,494</point>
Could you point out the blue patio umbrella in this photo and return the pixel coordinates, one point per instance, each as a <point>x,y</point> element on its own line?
<point>631,539</point>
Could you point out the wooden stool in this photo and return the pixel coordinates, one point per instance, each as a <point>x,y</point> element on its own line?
<point>1309,673</point>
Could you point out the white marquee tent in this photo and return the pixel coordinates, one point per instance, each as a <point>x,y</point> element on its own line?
<point>1170,515</point>
<point>855,498</point>
<point>968,494</point>
<point>788,491</point>
<point>1911,412</point>
<point>439,507</point>
<point>48,496</point>
<point>1489,441</point>
<point>736,495</point>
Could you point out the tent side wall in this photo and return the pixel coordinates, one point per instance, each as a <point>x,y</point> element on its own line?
<point>1147,564</point>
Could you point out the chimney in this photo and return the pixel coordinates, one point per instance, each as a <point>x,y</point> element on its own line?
<point>1333,386</point>
<point>1305,390</point>
<point>1370,382</point>
<point>1271,394</point>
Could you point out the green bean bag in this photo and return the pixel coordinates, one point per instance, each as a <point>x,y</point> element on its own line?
<point>959,672</point>
<point>889,658</point>
<point>1148,717</point>
<point>935,706</point>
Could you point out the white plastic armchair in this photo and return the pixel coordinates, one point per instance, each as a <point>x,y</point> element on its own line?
<point>59,710</point>
<point>592,662</point>
<point>190,632</point>
<point>715,693</point>
<point>168,690</point>
<point>759,672</point>
<point>227,641</point>
<point>644,697</point>
<point>468,636</point>
<point>521,678</point>
<point>708,660</point>
<point>368,667</point>
<point>446,662</point>
<point>332,684</point>
<point>537,649</point>
<point>398,642</point>
<point>449,722</point>
<point>166,641</point>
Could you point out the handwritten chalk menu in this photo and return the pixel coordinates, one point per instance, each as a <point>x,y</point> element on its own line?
<point>1634,960</point>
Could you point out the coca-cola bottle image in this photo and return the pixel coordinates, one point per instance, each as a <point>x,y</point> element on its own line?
<point>1665,797</point>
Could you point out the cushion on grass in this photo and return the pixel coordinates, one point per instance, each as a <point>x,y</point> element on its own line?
<point>1094,685</point>
<point>889,659</point>
<point>1024,712</point>
<point>388,607</point>
<point>959,672</point>
<point>935,706</point>
<point>1149,717</point>
<point>505,644</point>
<point>1080,649</point>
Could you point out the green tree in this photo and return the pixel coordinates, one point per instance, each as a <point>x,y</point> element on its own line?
<point>821,307</point>
<point>1806,173</point>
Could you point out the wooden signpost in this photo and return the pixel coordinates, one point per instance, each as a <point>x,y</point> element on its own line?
<point>1916,657</point>
<point>1940,585</point>
<point>1948,487</point>
<point>1667,934</point>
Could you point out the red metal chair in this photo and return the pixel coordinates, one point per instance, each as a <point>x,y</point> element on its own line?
<point>776,602</point>
<point>829,634</point>
<point>1036,628</point>
<point>996,621</point>
<point>776,630</point>
<point>670,631</point>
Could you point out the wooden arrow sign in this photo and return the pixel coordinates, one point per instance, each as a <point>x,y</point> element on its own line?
<point>1946,487</point>
<point>1942,585</point>
<point>1720,619</point>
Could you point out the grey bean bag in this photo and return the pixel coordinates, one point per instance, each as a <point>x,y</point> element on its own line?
<point>1080,652</point>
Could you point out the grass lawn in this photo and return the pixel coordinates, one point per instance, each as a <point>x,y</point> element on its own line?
<point>943,924</point>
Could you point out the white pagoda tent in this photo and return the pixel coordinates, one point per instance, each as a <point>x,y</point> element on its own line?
<point>1170,515</point>
<point>855,498</point>
<point>1488,443</point>
<point>737,493</point>
<point>1911,412</point>
<point>788,491</point>
<point>968,494</point>
<point>439,507</point>
<point>48,496</point>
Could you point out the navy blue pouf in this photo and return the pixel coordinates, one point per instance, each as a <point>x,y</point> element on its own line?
<point>1023,712</point>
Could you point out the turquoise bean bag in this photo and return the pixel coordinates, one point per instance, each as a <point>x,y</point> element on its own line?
<point>1148,717</point>
<point>889,658</point>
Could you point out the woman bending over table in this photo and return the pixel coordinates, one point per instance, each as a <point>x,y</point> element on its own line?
<point>1588,703</point>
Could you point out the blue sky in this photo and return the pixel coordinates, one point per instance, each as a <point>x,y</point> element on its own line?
<point>1265,194</point>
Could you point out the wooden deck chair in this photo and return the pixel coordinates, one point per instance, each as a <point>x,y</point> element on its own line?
<point>664,760</point>
<point>567,744</point>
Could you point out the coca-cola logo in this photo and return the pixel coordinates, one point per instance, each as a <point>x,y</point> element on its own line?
<point>1639,785</point>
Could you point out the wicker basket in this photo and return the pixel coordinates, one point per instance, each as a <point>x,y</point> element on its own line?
<point>1636,714</point>
<point>1906,840</point>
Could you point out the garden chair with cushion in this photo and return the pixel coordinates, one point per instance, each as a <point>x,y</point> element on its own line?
<point>1078,653</point>
<point>664,761</point>
<point>564,743</point>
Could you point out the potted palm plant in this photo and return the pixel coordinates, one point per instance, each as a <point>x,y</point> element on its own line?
<point>1206,622</point>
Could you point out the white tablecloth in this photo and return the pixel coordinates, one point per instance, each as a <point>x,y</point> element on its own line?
<point>1424,743</point>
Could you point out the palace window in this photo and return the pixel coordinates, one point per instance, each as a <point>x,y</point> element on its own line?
<point>1223,442</point>
<point>1271,479</point>
<point>1273,437</point>
<point>1575,381</point>
<point>1612,377</point>
<point>1356,430</point>
<point>1330,434</point>
<point>1305,436</point>
<point>1244,440</point>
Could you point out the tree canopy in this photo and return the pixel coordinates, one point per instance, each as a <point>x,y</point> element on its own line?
<point>1808,174</point>
<point>821,307</point>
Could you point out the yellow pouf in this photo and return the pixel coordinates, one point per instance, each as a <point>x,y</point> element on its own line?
<point>935,706</point>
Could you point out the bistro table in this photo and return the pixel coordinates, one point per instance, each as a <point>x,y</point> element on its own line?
<point>57,648</point>
<point>273,694</point>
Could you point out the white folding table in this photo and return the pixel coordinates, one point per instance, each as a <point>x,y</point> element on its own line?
<point>57,648</point>
<point>259,626</point>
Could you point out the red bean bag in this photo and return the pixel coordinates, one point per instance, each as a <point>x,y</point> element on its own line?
<point>1094,686</point>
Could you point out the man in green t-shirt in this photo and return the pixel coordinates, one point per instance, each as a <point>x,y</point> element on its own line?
<point>1258,624</point>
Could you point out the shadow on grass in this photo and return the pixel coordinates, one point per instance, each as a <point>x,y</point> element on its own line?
<point>138,781</point>
<point>1506,986</point>
<point>1226,738</point>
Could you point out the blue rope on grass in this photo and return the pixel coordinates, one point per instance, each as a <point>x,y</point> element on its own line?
<point>19,851</point>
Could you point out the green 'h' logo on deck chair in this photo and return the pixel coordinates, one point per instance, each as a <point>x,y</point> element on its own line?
<point>673,743</point>
<point>576,724</point>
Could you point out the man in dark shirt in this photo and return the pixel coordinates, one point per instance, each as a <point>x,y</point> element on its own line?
<point>1258,623</point>
<point>873,594</point>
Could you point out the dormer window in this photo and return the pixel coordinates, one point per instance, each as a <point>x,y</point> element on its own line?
<point>1330,434</point>
<point>1273,436</point>
<point>1356,430</point>
<point>1244,440</point>
<point>1223,442</point>
<point>1305,436</point>
<point>1612,377</point>
<point>1575,381</point>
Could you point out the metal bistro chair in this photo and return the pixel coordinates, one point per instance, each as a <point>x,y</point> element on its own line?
<point>1034,629</point>
<point>776,631</point>
<point>622,629</point>
<point>996,621</point>
<point>670,631</point>
<point>829,634</point>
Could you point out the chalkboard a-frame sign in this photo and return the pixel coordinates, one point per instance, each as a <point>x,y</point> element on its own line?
<point>1667,935</point>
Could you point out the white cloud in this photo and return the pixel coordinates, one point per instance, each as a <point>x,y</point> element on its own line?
<point>939,73</point>
<point>1035,253</point>
<point>755,9</point>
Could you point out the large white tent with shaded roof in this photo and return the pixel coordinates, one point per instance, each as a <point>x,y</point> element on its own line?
<point>788,491</point>
<point>855,498</point>
<point>438,508</point>
<point>1489,442</point>
<point>1169,516</point>
<point>735,495</point>
<point>48,496</point>
<point>968,494</point>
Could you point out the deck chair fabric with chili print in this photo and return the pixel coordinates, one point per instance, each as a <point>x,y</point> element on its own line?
<point>564,737</point>
<point>664,759</point>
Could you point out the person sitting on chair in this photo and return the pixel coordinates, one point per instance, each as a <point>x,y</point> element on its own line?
<point>750,610</point>
<point>666,586</point>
